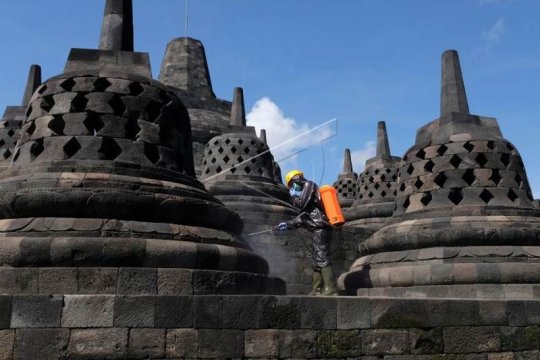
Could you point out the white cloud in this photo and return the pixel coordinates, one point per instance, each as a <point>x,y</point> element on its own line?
<point>494,33</point>
<point>266,114</point>
<point>359,157</point>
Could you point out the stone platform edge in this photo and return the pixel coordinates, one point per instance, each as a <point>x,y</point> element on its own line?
<point>260,326</point>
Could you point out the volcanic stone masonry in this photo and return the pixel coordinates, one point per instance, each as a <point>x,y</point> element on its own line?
<point>10,125</point>
<point>185,70</point>
<point>112,249</point>
<point>346,182</point>
<point>376,188</point>
<point>465,222</point>
<point>102,182</point>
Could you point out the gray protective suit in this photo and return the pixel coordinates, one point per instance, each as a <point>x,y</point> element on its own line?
<point>313,218</point>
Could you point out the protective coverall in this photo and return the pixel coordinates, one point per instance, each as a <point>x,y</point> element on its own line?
<point>313,218</point>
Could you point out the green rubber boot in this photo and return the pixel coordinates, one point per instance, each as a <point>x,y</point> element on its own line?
<point>329,281</point>
<point>316,283</point>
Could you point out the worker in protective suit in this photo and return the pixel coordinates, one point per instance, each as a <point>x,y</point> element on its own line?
<point>305,197</point>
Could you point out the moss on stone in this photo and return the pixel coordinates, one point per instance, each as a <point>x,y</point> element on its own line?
<point>339,343</point>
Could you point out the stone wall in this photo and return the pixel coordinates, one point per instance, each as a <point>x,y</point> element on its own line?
<point>289,256</point>
<point>265,327</point>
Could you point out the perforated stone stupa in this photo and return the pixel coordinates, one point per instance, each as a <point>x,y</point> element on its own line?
<point>10,124</point>
<point>346,182</point>
<point>102,185</point>
<point>465,223</point>
<point>376,187</point>
<point>239,169</point>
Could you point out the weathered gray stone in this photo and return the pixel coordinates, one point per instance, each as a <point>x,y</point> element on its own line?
<point>137,281</point>
<point>242,312</point>
<point>41,343</point>
<point>208,312</point>
<point>146,343</point>
<point>134,311</point>
<point>338,343</point>
<point>318,313</point>
<point>399,313</point>
<point>7,340</point>
<point>520,338</point>
<point>472,339</point>
<point>261,343</point>
<point>297,343</point>
<point>98,343</point>
<point>32,311</point>
<point>281,313</point>
<point>383,341</point>
<point>57,281</point>
<point>215,343</point>
<point>426,341</point>
<point>173,311</point>
<point>182,343</point>
<point>80,311</point>
<point>174,282</point>
<point>353,313</point>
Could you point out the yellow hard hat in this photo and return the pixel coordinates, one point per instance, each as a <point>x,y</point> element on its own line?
<point>292,174</point>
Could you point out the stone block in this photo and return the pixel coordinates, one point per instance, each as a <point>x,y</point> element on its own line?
<point>492,312</point>
<point>98,280</point>
<point>174,282</point>
<point>98,343</point>
<point>471,339</point>
<point>18,281</point>
<point>174,312</point>
<point>214,343</point>
<point>426,341</point>
<point>318,312</point>
<point>353,313</point>
<point>146,343</point>
<point>297,344</point>
<point>522,313</point>
<point>280,312</point>
<point>32,311</point>
<point>41,343</point>
<point>339,343</point>
<point>182,343</point>
<point>208,312</point>
<point>7,340</point>
<point>454,312</point>
<point>137,281</point>
<point>385,341</point>
<point>242,312</point>
<point>57,281</point>
<point>399,313</point>
<point>82,311</point>
<point>5,311</point>
<point>261,343</point>
<point>520,338</point>
<point>213,282</point>
<point>134,311</point>
<point>527,355</point>
<point>501,356</point>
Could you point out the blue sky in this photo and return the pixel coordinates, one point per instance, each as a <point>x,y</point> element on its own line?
<point>360,61</point>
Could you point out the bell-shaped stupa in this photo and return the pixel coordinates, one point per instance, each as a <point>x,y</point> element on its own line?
<point>465,223</point>
<point>346,182</point>
<point>10,124</point>
<point>103,177</point>
<point>239,169</point>
<point>376,187</point>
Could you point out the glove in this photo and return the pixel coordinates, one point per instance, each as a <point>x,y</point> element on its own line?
<point>282,226</point>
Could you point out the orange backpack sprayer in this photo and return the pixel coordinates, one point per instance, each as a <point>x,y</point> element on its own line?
<point>331,205</point>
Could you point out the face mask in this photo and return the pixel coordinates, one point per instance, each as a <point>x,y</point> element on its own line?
<point>297,187</point>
